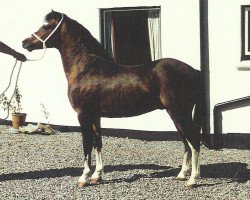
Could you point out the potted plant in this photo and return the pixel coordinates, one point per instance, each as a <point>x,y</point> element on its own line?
<point>18,117</point>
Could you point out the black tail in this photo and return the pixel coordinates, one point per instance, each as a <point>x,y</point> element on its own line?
<point>200,114</point>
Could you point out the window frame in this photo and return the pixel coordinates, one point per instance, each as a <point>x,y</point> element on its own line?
<point>102,19</point>
<point>103,10</point>
<point>245,44</point>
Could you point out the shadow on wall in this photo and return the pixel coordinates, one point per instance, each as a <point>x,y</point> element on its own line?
<point>121,133</point>
<point>230,140</point>
<point>143,135</point>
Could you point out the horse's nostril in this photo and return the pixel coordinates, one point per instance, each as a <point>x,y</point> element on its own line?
<point>25,44</point>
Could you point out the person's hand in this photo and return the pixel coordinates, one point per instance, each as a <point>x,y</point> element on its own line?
<point>19,56</point>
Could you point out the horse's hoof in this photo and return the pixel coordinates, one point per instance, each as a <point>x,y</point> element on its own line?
<point>181,178</point>
<point>95,180</point>
<point>81,184</point>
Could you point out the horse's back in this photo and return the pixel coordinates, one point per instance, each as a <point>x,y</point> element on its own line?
<point>171,65</point>
<point>163,67</point>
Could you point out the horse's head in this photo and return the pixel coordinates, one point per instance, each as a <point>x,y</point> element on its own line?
<point>47,35</point>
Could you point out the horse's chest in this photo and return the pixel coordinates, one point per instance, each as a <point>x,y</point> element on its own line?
<point>80,96</point>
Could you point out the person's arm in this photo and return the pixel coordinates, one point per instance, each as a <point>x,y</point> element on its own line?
<point>7,50</point>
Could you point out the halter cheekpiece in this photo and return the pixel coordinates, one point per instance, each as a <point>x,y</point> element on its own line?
<point>45,40</point>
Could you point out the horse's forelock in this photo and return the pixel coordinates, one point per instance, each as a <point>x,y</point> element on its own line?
<point>75,27</point>
<point>53,15</point>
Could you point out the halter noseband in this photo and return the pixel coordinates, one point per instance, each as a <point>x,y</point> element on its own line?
<point>45,40</point>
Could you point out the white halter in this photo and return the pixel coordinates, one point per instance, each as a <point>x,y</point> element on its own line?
<point>45,40</point>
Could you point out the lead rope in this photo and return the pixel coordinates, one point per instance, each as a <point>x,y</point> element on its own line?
<point>17,77</point>
<point>10,80</point>
<point>44,51</point>
<point>18,73</point>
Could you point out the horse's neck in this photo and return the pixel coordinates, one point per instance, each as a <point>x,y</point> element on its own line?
<point>74,61</point>
<point>76,51</point>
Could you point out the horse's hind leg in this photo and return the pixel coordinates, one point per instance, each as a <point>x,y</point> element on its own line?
<point>195,173</point>
<point>184,124</point>
<point>186,163</point>
<point>97,175</point>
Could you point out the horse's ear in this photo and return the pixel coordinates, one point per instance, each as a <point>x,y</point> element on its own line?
<point>52,10</point>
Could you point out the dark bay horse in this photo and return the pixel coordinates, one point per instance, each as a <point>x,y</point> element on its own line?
<point>98,87</point>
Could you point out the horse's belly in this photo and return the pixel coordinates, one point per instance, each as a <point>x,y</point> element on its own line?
<point>128,104</point>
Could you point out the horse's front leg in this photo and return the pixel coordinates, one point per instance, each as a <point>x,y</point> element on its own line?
<point>87,137</point>
<point>97,175</point>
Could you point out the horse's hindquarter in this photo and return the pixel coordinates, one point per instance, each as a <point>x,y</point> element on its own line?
<point>178,82</point>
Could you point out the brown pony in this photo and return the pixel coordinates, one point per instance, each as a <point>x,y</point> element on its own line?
<point>98,87</point>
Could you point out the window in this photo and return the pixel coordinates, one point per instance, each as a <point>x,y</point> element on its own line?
<point>245,32</point>
<point>131,35</point>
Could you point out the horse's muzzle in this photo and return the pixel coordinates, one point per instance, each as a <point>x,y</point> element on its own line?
<point>27,45</point>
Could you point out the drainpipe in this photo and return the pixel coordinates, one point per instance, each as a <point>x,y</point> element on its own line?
<point>218,109</point>
<point>204,61</point>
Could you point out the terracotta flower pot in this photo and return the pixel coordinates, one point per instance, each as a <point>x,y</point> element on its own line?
<point>18,119</point>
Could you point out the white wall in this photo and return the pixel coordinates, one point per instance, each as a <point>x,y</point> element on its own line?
<point>44,81</point>
<point>227,82</point>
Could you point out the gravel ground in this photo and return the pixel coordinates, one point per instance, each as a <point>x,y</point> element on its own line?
<point>48,167</point>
